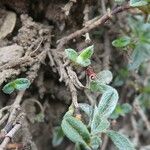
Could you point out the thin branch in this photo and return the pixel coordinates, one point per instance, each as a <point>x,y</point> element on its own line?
<point>95,24</point>
<point>12,132</point>
<point>86,18</point>
<point>68,6</point>
<point>135,130</point>
<point>142,114</point>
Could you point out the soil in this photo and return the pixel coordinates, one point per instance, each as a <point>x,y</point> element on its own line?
<point>29,34</point>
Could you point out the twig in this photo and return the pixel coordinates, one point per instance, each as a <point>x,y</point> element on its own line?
<point>3,109</point>
<point>5,117</point>
<point>141,113</point>
<point>52,63</point>
<point>95,24</point>
<point>73,77</point>
<point>86,18</point>
<point>74,94</point>
<point>135,130</point>
<point>104,10</point>
<point>68,6</point>
<point>104,146</point>
<point>91,100</point>
<point>12,132</point>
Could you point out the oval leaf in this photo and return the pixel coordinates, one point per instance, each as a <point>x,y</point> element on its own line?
<point>108,102</point>
<point>100,125</point>
<point>8,88</point>
<point>71,54</point>
<point>83,62</point>
<point>86,108</point>
<point>95,142</point>
<point>126,108</point>
<point>121,142</point>
<point>87,53</point>
<point>75,130</point>
<point>121,42</point>
<point>96,86</point>
<point>22,83</point>
<point>140,54</point>
<point>105,76</point>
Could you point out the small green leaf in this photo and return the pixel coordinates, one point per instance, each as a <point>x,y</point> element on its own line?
<point>84,58</point>
<point>105,76</point>
<point>22,83</point>
<point>121,42</point>
<point>71,54</point>
<point>140,54</point>
<point>96,86</point>
<point>58,136</point>
<point>19,84</point>
<point>137,3</point>
<point>8,88</point>
<point>86,108</point>
<point>99,124</point>
<point>83,62</point>
<point>87,53</point>
<point>126,108</point>
<point>114,115</point>
<point>75,130</point>
<point>121,142</point>
<point>95,142</point>
<point>108,102</point>
<point>121,110</point>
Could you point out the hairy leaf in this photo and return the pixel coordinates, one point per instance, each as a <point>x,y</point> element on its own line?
<point>98,124</point>
<point>140,54</point>
<point>121,142</point>
<point>75,130</point>
<point>86,108</point>
<point>105,77</point>
<point>87,53</point>
<point>108,102</point>
<point>95,142</point>
<point>121,42</point>
<point>22,83</point>
<point>83,62</point>
<point>137,3</point>
<point>8,88</point>
<point>71,54</point>
<point>96,86</point>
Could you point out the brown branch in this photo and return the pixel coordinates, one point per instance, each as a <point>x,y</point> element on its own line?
<point>142,114</point>
<point>95,24</point>
<point>86,18</point>
<point>68,6</point>
<point>12,132</point>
